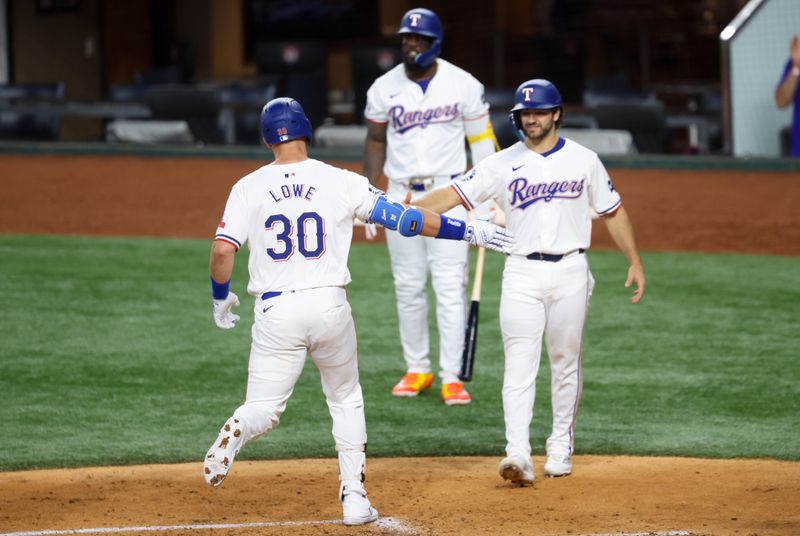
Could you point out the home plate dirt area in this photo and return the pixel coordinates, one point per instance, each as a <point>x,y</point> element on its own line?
<point>605,495</point>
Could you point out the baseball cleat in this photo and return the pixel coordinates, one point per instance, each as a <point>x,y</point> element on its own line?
<point>413,383</point>
<point>220,456</point>
<point>557,466</point>
<point>355,505</point>
<point>517,470</point>
<point>454,394</point>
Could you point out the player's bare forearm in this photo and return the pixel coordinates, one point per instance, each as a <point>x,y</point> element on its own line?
<point>221,263</point>
<point>374,157</point>
<point>784,93</point>
<point>621,230</point>
<point>374,151</point>
<point>438,200</point>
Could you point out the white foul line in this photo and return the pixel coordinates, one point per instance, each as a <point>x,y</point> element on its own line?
<point>386,523</point>
<point>656,533</point>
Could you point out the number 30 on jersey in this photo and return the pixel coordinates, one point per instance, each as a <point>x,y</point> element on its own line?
<point>310,239</point>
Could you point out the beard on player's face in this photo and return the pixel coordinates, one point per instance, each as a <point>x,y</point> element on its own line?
<point>541,134</point>
<point>537,127</point>
<point>413,67</point>
<point>412,45</point>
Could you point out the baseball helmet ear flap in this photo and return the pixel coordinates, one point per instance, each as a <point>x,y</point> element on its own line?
<point>536,94</point>
<point>425,22</point>
<point>282,120</point>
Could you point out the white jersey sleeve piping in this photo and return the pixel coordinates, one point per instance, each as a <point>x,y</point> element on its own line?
<point>613,208</point>
<point>229,239</point>
<point>464,200</point>
<point>476,117</point>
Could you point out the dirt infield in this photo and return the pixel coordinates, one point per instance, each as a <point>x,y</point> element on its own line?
<point>420,496</point>
<point>676,210</point>
<point>673,210</point>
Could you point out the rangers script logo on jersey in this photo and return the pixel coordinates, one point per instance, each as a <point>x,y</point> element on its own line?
<point>524,195</point>
<point>404,121</point>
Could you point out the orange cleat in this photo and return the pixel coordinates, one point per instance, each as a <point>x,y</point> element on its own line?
<point>454,394</point>
<point>413,383</point>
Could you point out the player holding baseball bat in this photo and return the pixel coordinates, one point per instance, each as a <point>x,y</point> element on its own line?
<point>418,115</point>
<point>471,335</point>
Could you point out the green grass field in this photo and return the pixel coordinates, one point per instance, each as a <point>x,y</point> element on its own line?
<point>110,356</point>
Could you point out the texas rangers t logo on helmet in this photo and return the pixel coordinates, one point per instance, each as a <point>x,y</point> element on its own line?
<point>415,18</point>
<point>528,91</point>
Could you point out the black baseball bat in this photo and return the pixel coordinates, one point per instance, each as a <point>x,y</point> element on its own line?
<point>471,333</point>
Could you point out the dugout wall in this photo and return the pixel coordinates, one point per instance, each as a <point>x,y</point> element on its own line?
<point>755,47</point>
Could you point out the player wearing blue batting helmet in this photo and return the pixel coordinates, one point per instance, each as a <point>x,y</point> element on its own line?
<point>536,94</point>
<point>282,120</point>
<point>421,21</point>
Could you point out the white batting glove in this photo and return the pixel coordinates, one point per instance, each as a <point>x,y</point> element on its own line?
<point>370,231</point>
<point>488,235</point>
<point>223,316</point>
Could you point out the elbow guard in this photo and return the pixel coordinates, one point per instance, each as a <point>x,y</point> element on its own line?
<point>411,222</point>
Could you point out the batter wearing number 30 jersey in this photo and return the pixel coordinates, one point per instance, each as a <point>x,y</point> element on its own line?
<point>550,188</point>
<point>304,219</point>
<point>297,216</point>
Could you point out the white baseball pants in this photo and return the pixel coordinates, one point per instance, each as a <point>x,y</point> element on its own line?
<point>287,328</point>
<point>543,299</point>
<point>447,261</point>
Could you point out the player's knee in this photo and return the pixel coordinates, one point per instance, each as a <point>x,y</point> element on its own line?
<point>411,294</point>
<point>449,288</point>
<point>342,446</point>
<point>258,418</point>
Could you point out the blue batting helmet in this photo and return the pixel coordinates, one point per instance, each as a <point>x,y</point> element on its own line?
<point>423,21</point>
<point>537,94</point>
<point>282,120</point>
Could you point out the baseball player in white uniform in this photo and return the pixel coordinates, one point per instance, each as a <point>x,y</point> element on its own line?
<point>418,115</point>
<point>549,188</point>
<point>297,215</point>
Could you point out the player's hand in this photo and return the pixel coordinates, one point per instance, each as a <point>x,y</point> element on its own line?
<point>794,51</point>
<point>636,275</point>
<point>370,231</point>
<point>488,235</point>
<point>223,316</point>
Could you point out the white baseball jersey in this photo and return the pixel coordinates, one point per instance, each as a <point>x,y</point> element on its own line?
<point>546,197</point>
<point>298,221</point>
<point>418,121</point>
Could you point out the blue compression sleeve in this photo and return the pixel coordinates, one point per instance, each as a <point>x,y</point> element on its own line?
<point>451,228</point>
<point>219,291</point>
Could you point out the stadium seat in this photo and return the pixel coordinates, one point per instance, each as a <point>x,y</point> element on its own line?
<point>31,124</point>
<point>646,121</point>
<point>201,108</point>
<point>367,65</point>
